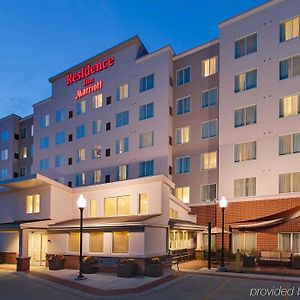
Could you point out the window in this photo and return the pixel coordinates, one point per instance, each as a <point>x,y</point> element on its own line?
<point>183,194</point>
<point>244,241</point>
<point>44,164</point>
<point>97,152</point>
<point>108,126</point>
<point>31,130</point>
<point>93,208</point>
<point>289,106</point>
<point>173,213</point>
<point>59,161</point>
<point>121,242</point>
<point>209,98</point>
<point>183,165</point>
<point>147,83</point>
<point>289,242</point>
<point>289,67</point>
<point>3,173</point>
<point>4,154</point>
<point>213,242</point>
<point>208,192</point>
<point>80,131</point>
<point>70,137</point>
<point>245,187</point>
<point>289,183</point>
<point>73,242</point>
<point>23,152</point>
<point>70,161</point>
<point>81,107</point>
<point>45,121</point>
<point>143,203</point>
<point>122,145</point>
<point>289,29</point>
<point>117,206</point>
<point>146,168</point>
<point>33,204</point>
<point>122,92</point>
<point>183,76</point>
<point>107,152</point>
<point>96,127</point>
<point>209,129</point>
<point>289,143</point>
<point>23,133</point>
<point>81,155</point>
<point>245,81</point>
<point>70,114</point>
<point>210,66</point>
<point>182,135</point>
<point>245,116</point>
<point>60,138</point>
<point>97,101</point>
<point>44,142</point>
<point>146,139</point>
<point>60,115</point>
<point>146,111</point>
<point>209,160</point>
<point>96,241</point>
<point>108,100</point>
<point>97,176</point>
<point>107,178</point>
<point>246,45</point>
<point>22,172</point>
<point>80,179</point>
<point>122,118</point>
<point>4,136</point>
<point>183,105</point>
<point>122,172</point>
<point>245,151</point>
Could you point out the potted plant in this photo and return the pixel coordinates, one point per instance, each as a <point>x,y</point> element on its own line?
<point>1,258</point>
<point>154,268</point>
<point>89,265</point>
<point>126,268</point>
<point>55,261</point>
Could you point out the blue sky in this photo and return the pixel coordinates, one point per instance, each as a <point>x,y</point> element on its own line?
<point>42,38</point>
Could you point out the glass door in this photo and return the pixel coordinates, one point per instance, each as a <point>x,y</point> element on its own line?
<point>37,248</point>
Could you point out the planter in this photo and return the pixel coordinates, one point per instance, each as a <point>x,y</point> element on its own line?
<point>1,258</point>
<point>154,270</point>
<point>249,261</point>
<point>126,271</point>
<point>296,262</point>
<point>55,264</point>
<point>89,268</point>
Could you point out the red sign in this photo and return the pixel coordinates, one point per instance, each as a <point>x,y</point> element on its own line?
<point>89,70</point>
<point>90,89</point>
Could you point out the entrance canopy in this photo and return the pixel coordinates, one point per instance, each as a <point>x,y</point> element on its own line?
<point>185,225</point>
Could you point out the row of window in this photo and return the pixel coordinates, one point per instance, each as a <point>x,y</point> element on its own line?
<point>208,192</point>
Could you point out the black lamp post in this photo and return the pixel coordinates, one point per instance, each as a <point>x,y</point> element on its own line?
<point>223,205</point>
<point>81,204</point>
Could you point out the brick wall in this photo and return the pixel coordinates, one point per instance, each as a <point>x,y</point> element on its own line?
<point>8,257</point>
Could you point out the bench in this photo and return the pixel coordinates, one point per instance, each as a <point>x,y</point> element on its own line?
<point>107,264</point>
<point>275,258</point>
<point>179,256</point>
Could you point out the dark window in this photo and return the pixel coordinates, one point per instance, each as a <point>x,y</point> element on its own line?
<point>70,161</point>
<point>16,156</point>
<point>170,111</point>
<point>70,114</point>
<point>16,175</point>
<point>108,126</point>
<point>107,178</point>
<point>108,100</point>
<point>23,133</point>
<point>107,152</point>
<point>170,170</point>
<point>17,137</point>
<point>69,183</point>
<point>70,137</point>
<point>170,141</point>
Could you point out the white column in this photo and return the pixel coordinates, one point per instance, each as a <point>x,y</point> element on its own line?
<point>199,245</point>
<point>23,242</point>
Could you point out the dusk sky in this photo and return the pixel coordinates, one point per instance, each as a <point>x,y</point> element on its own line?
<point>42,38</point>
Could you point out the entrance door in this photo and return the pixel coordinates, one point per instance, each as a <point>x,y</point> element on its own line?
<point>37,248</point>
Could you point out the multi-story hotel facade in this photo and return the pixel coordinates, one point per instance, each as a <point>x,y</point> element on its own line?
<point>153,140</point>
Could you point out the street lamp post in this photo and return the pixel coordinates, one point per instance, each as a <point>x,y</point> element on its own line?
<point>81,204</point>
<point>223,205</point>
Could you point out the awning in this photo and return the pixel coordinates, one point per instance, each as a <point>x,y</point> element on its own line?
<point>17,225</point>
<point>185,225</point>
<point>216,230</point>
<point>271,220</point>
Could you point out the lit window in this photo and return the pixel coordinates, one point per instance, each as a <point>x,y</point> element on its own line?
<point>245,187</point>
<point>289,242</point>
<point>209,98</point>
<point>122,118</point>
<point>122,172</point>
<point>116,206</point>
<point>289,67</point>
<point>183,76</point>
<point>97,101</point>
<point>123,92</point>
<point>146,139</point>
<point>289,182</point>
<point>93,208</point>
<point>209,160</point>
<point>289,29</point>
<point>97,152</point>
<point>245,116</point>
<point>146,168</point>
<point>245,151</point>
<point>121,242</point>
<point>80,179</point>
<point>4,154</point>
<point>81,155</point>
<point>73,242</point>
<point>246,45</point>
<point>289,106</point>
<point>245,81</point>
<point>33,204</point>
<point>96,241</point>
<point>209,66</point>
<point>289,143</point>
<point>244,241</point>
<point>183,194</point>
<point>122,145</point>
<point>209,129</point>
<point>81,107</point>
<point>45,121</point>
<point>143,203</point>
<point>147,83</point>
<point>183,165</point>
<point>183,135</point>
<point>97,176</point>
<point>173,213</point>
<point>208,192</point>
<point>183,105</point>
<point>146,111</point>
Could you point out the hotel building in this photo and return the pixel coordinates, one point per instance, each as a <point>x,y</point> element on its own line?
<point>152,140</point>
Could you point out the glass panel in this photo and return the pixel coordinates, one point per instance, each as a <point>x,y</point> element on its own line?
<point>285,144</point>
<point>296,181</point>
<point>296,243</point>
<point>110,207</point>
<point>120,242</point>
<point>251,115</point>
<point>124,205</point>
<point>239,187</point>
<point>251,79</point>
<point>36,203</point>
<point>296,142</point>
<point>74,242</point>
<point>250,186</point>
<point>250,241</point>
<point>285,242</point>
<point>296,65</point>
<point>96,241</point>
<point>251,43</point>
<point>284,183</point>
<point>143,203</point>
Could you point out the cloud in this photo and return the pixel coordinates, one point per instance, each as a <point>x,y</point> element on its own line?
<point>21,106</point>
